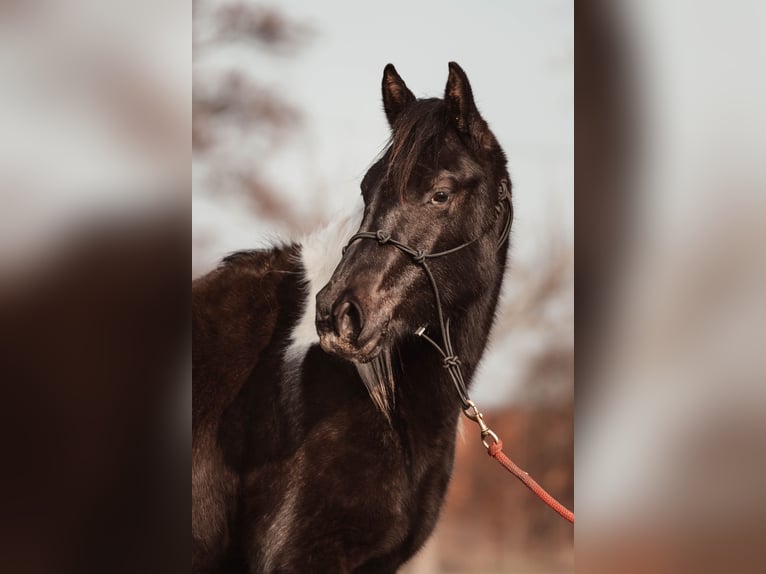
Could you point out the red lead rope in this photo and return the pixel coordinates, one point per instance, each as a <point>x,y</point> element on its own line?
<point>494,447</point>
<point>495,450</point>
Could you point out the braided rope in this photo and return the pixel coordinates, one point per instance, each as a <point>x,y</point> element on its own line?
<point>495,450</point>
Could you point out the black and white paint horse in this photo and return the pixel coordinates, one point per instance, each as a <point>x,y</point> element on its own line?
<point>294,467</point>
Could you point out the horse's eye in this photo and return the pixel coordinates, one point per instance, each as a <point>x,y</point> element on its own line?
<point>440,197</point>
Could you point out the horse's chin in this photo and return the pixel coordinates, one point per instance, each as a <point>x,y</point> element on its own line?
<point>344,349</point>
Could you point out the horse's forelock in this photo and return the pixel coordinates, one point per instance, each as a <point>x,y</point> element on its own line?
<point>416,139</point>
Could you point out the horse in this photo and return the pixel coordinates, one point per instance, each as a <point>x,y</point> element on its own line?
<point>324,422</point>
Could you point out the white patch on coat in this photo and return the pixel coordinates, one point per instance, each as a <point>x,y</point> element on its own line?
<point>321,252</point>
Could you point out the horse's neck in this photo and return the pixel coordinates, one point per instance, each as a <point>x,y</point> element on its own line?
<point>471,332</point>
<point>470,324</point>
<point>425,380</point>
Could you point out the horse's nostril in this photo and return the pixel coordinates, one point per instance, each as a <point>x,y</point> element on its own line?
<point>348,319</point>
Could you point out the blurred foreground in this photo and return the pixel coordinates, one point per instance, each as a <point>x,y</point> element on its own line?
<point>94,239</point>
<point>670,191</point>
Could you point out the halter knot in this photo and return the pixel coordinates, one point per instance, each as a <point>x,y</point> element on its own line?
<point>382,236</point>
<point>502,194</point>
<point>419,257</point>
<point>451,361</point>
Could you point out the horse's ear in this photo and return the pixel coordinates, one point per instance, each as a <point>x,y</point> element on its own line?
<point>459,98</point>
<point>462,108</point>
<point>396,95</point>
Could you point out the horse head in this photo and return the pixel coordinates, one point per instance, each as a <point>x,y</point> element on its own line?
<point>440,183</point>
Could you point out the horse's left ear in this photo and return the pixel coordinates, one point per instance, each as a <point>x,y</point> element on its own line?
<point>459,98</point>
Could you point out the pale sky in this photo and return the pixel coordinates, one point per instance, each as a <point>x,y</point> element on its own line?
<point>518,56</point>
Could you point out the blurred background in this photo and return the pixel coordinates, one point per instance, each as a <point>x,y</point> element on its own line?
<point>287,119</point>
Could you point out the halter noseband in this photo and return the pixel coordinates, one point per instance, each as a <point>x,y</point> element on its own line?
<point>450,360</point>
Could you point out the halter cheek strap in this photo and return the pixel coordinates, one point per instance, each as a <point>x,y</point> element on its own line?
<point>504,200</point>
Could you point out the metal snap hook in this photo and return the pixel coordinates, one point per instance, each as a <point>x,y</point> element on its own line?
<point>473,413</point>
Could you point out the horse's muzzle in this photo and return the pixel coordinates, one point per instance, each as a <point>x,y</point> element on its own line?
<point>344,328</point>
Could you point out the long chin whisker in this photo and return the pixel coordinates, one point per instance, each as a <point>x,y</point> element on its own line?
<point>378,378</point>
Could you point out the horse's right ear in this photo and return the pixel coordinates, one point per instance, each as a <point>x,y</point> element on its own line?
<point>396,95</point>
